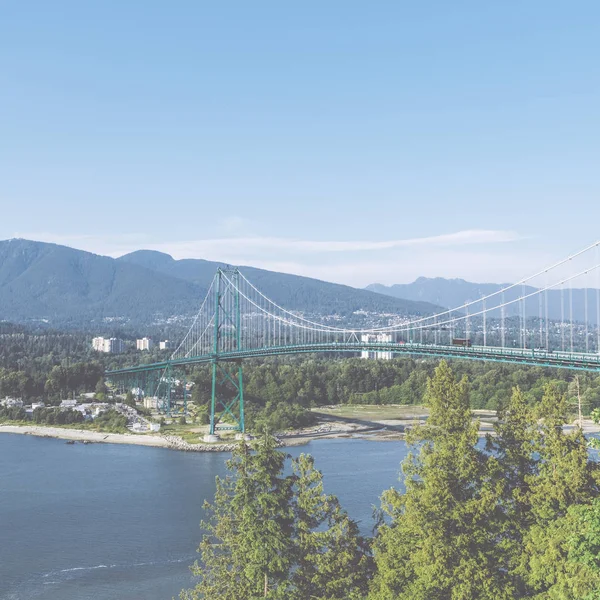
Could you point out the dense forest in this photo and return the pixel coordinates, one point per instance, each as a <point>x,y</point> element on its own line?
<point>39,363</point>
<point>282,387</point>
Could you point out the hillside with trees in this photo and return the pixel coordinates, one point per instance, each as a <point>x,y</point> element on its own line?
<point>68,288</point>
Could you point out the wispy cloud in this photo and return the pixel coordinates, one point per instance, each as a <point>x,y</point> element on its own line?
<point>212,247</point>
<point>479,254</point>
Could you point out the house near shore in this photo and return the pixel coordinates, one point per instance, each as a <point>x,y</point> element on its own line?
<point>12,402</point>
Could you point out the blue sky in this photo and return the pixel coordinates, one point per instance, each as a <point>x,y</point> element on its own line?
<point>350,141</point>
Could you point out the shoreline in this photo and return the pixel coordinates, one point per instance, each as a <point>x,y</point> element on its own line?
<point>82,435</point>
<point>378,433</point>
<point>167,441</point>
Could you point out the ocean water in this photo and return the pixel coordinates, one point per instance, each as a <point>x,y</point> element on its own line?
<point>104,522</point>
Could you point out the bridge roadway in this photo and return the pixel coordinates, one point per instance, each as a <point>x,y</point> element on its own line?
<point>526,356</point>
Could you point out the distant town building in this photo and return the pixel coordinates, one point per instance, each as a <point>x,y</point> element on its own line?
<point>376,338</point>
<point>35,405</point>
<point>144,344</point>
<point>114,346</point>
<point>12,402</point>
<point>150,403</point>
<point>108,345</point>
<point>84,411</point>
<point>166,345</point>
<point>98,344</point>
<point>68,403</point>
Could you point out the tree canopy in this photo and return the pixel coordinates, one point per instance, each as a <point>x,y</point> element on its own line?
<point>516,515</point>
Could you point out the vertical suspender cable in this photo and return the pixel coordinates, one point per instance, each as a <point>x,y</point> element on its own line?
<point>597,304</point>
<point>585,311</point>
<point>562,319</point>
<point>484,323</point>
<point>541,322</point>
<point>546,314</point>
<point>502,323</point>
<point>520,308</point>
<point>571,312</point>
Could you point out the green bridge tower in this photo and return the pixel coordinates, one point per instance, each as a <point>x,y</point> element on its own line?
<point>227,397</point>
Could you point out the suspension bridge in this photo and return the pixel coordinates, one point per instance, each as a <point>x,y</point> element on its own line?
<point>548,319</point>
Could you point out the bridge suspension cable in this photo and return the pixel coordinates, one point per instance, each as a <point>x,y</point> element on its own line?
<point>266,323</point>
<point>236,320</point>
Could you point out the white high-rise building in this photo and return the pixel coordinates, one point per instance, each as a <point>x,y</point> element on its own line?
<point>144,344</point>
<point>166,345</point>
<point>98,344</point>
<point>108,345</point>
<point>376,338</point>
<point>114,346</point>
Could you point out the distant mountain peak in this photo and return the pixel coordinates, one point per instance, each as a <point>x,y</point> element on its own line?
<point>150,259</point>
<point>149,253</point>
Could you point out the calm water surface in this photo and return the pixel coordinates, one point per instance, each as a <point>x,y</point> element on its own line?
<point>104,522</point>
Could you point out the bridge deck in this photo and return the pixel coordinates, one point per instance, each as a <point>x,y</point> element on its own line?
<point>527,356</point>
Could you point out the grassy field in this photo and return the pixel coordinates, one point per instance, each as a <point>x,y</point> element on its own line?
<point>387,412</point>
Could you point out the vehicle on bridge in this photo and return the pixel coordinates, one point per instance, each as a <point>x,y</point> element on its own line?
<point>464,342</point>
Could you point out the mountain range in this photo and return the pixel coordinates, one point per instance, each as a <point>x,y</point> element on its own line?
<point>453,293</point>
<point>64,286</point>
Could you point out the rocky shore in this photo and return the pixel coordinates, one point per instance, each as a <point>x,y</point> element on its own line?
<point>80,435</point>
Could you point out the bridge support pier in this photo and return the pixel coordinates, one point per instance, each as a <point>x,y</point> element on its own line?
<point>227,398</point>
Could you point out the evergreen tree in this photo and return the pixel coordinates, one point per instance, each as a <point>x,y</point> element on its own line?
<point>437,544</point>
<point>566,475</point>
<point>584,544</point>
<point>333,560</point>
<point>101,390</point>
<point>130,398</point>
<point>566,481</point>
<point>246,552</point>
<point>513,448</point>
<point>279,537</point>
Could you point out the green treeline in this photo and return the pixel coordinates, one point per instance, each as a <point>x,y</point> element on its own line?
<point>56,416</point>
<point>109,420</point>
<point>276,391</point>
<point>50,365</point>
<point>518,518</point>
<point>322,381</point>
<point>54,383</point>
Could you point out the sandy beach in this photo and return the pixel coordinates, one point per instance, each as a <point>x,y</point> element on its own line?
<point>87,436</point>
